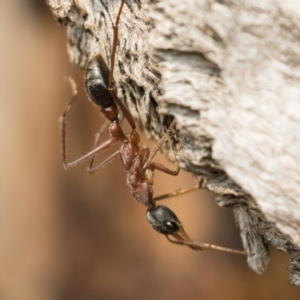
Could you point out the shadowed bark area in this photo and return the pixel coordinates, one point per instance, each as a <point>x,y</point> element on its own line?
<point>229,73</point>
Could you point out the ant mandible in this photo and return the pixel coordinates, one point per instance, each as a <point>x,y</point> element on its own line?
<point>136,159</point>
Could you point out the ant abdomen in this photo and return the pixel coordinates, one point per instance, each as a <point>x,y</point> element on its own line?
<point>96,82</point>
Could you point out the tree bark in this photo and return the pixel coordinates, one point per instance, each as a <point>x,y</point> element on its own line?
<point>228,71</point>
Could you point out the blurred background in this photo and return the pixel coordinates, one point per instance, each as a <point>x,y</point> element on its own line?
<point>68,235</point>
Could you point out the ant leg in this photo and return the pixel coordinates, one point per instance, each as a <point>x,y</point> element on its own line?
<point>201,246</point>
<point>176,193</point>
<point>162,168</point>
<point>96,144</point>
<point>147,163</point>
<point>63,130</point>
<point>102,164</point>
<point>157,166</point>
<point>123,108</point>
<point>90,154</point>
<point>114,46</point>
<point>63,117</point>
<point>92,169</point>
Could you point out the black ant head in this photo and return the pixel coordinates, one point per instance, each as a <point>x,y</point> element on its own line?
<point>164,221</point>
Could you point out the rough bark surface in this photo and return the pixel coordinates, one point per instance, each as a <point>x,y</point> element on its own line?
<point>229,72</point>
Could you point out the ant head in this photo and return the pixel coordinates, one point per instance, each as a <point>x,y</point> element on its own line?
<point>163,219</point>
<point>135,137</point>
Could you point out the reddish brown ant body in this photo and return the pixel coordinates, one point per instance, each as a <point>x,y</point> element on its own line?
<point>136,159</point>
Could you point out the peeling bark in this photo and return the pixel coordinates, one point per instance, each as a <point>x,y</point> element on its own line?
<point>229,72</point>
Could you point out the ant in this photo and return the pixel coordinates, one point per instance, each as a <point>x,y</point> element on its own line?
<point>136,159</point>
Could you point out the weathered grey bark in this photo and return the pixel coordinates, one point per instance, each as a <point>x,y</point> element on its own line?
<point>229,72</point>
